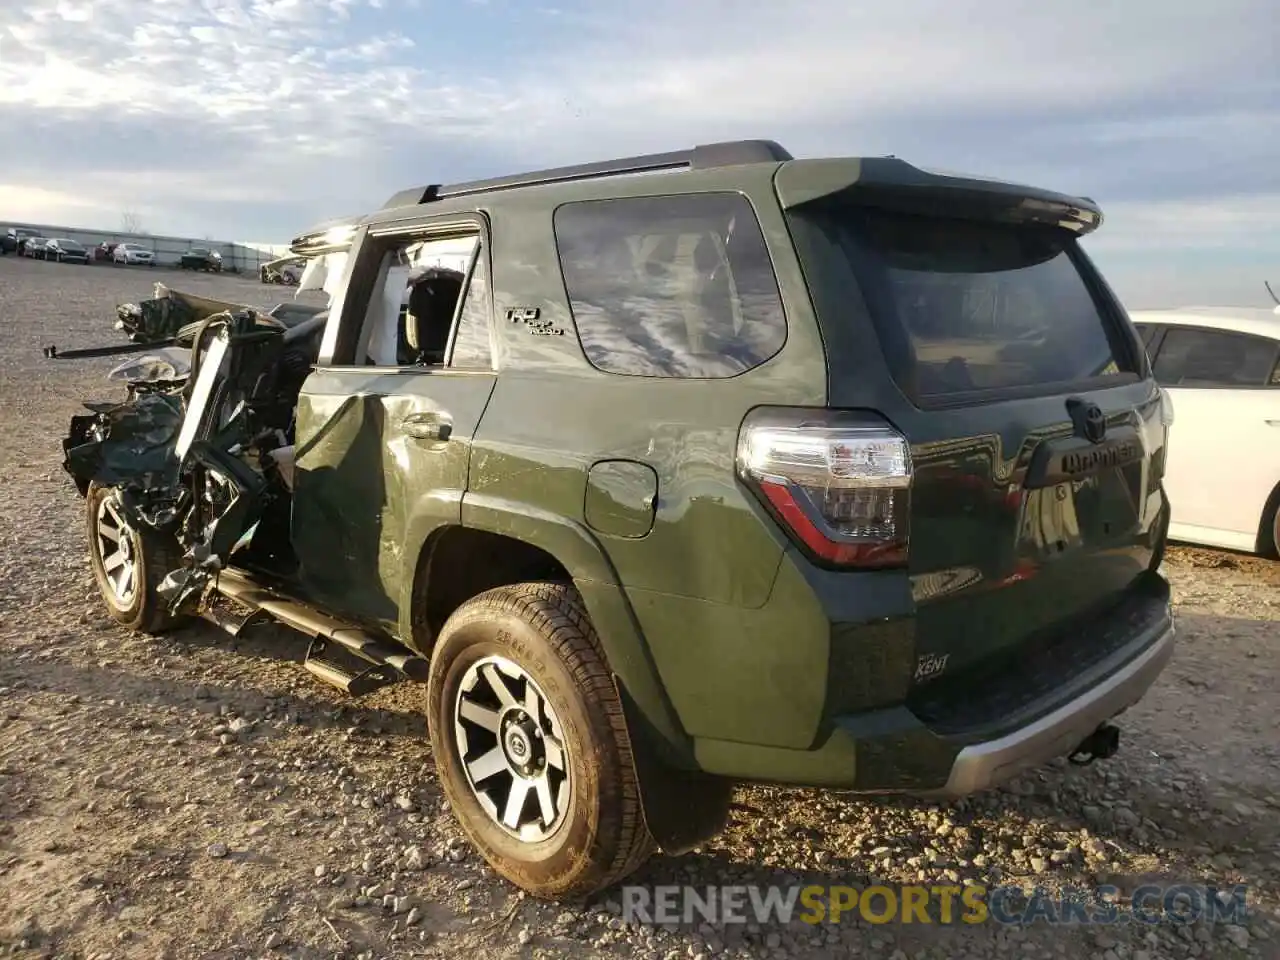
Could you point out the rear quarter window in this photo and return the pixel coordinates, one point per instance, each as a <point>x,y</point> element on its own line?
<point>678,286</point>
<point>964,306</point>
<point>1197,357</point>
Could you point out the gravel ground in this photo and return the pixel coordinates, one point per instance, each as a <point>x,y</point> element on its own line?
<point>195,796</point>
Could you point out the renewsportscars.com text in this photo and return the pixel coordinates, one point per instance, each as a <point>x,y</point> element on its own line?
<point>941,904</point>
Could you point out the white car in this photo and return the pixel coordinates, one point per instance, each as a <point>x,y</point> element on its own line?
<point>1221,368</point>
<point>132,253</point>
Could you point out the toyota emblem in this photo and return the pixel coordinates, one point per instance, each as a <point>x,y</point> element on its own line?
<point>1095,425</point>
<point>1088,419</point>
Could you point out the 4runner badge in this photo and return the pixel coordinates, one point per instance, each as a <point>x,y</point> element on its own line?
<point>531,318</point>
<point>930,665</point>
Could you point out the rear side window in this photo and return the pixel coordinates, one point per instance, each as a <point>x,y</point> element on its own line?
<point>963,306</point>
<point>670,286</point>
<point>1193,357</point>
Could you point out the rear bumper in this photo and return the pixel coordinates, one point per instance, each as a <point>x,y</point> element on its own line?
<point>983,765</point>
<point>893,750</point>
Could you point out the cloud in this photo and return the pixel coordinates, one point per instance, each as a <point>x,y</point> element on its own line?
<point>1170,253</point>
<point>34,204</point>
<point>258,116</point>
<point>1219,223</point>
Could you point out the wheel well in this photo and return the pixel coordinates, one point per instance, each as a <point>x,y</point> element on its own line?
<point>459,563</point>
<point>1265,525</point>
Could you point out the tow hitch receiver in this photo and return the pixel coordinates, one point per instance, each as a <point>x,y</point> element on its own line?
<point>1099,745</point>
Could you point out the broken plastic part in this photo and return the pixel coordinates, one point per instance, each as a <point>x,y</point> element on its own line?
<point>284,460</point>
<point>193,459</point>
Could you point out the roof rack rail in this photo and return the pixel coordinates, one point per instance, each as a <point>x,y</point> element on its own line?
<point>703,157</point>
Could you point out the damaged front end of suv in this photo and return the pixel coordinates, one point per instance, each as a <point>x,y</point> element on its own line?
<point>199,453</point>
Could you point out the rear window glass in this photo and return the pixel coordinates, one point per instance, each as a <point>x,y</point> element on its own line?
<point>677,286</point>
<point>964,306</point>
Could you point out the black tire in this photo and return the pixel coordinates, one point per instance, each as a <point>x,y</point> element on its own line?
<point>155,555</point>
<point>544,630</point>
<point>1269,534</point>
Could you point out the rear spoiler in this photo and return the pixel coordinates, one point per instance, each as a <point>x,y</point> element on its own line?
<point>894,184</point>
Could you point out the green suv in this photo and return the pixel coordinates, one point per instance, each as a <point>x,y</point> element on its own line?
<point>668,472</point>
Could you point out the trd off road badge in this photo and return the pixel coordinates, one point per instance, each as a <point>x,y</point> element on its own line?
<point>930,665</point>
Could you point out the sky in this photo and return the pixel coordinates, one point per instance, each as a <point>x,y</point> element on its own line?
<point>252,119</point>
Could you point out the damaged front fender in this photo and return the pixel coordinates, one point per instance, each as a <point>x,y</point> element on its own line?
<point>193,458</point>
<point>125,443</point>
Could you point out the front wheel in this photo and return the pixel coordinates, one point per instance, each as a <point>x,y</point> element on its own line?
<point>129,562</point>
<point>530,742</point>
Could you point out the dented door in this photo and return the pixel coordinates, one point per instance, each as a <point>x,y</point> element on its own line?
<point>381,454</point>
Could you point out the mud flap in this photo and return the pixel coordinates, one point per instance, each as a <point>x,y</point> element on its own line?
<point>681,808</point>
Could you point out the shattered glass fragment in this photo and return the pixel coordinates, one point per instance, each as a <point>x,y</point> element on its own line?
<point>166,365</point>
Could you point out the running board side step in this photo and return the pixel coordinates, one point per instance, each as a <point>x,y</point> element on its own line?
<point>389,661</point>
<point>356,683</point>
<point>235,623</point>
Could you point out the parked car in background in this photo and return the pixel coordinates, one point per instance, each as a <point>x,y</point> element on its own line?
<point>14,238</point>
<point>65,250</point>
<point>286,270</point>
<point>1221,368</point>
<point>201,258</point>
<point>34,247</point>
<point>133,253</point>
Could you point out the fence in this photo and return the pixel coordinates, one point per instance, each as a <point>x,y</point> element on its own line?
<point>237,256</point>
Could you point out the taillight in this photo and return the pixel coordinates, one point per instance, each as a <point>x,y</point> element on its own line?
<point>840,484</point>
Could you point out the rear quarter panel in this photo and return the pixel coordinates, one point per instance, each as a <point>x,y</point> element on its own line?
<point>698,582</point>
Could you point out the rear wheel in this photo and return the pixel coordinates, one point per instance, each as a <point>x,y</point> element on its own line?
<point>530,742</point>
<point>129,563</point>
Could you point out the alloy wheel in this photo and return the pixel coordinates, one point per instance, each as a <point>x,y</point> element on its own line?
<point>512,748</point>
<point>116,544</point>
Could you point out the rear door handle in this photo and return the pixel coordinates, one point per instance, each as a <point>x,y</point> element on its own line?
<point>427,426</point>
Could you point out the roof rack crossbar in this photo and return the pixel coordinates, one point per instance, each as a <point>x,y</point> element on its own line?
<point>700,157</point>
